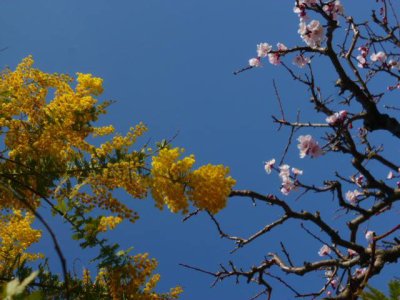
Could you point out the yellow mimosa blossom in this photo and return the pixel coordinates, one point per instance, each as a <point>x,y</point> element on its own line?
<point>50,153</point>
<point>135,280</point>
<point>210,187</point>
<point>16,235</point>
<point>174,183</point>
<point>109,222</point>
<point>169,178</point>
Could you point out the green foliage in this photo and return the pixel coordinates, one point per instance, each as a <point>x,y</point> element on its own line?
<point>375,294</point>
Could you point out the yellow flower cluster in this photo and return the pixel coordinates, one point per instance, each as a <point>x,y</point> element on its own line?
<point>104,199</point>
<point>103,130</point>
<point>119,142</point>
<point>169,179</point>
<point>109,222</point>
<point>174,183</point>
<point>124,175</point>
<point>16,235</point>
<point>47,124</point>
<point>37,129</point>
<point>134,280</point>
<point>89,85</point>
<point>210,187</point>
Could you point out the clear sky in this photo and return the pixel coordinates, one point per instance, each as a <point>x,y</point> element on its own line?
<point>169,64</point>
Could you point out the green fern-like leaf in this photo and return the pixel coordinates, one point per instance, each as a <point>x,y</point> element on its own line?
<point>375,294</point>
<point>394,289</point>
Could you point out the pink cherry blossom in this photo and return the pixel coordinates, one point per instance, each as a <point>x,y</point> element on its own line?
<point>393,64</point>
<point>301,61</point>
<point>351,196</point>
<point>300,8</point>
<point>287,187</point>
<point>281,47</point>
<point>274,58</point>
<point>337,118</point>
<point>263,49</point>
<point>333,9</point>
<point>351,252</point>
<point>296,171</point>
<point>378,57</point>
<point>334,283</point>
<point>287,183</point>
<point>369,235</point>
<point>324,251</point>
<point>308,146</point>
<point>390,175</point>
<point>269,165</point>
<point>255,62</point>
<point>362,59</point>
<point>362,62</point>
<point>312,34</point>
<point>301,12</point>
<point>284,171</point>
<point>359,180</point>
<point>328,274</point>
<point>364,50</point>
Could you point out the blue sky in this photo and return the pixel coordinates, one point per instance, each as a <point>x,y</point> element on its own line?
<point>169,64</point>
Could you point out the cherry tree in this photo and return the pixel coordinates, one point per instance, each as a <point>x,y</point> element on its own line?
<point>358,237</point>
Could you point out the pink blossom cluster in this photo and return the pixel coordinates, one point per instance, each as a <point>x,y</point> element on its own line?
<point>324,251</point>
<point>301,61</point>
<point>378,57</point>
<point>369,235</point>
<point>312,34</point>
<point>300,8</point>
<point>264,50</point>
<point>359,180</point>
<point>391,175</point>
<point>275,58</point>
<point>269,165</point>
<point>308,146</point>
<point>333,9</point>
<point>337,118</point>
<point>394,64</point>
<point>362,58</point>
<point>288,184</point>
<point>333,281</point>
<point>352,196</point>
<point>255,62</point>
<point>288,179</point>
